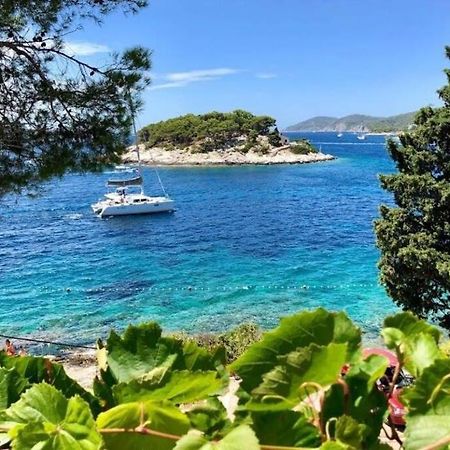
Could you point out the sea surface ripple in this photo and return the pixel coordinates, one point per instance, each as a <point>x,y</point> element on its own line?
<point>245,244</point>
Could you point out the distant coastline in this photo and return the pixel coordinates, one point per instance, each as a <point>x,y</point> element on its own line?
<point>357,123</point>
<point>231,157</point>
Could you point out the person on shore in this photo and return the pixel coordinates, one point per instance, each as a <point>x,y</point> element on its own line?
<point>9,348</point>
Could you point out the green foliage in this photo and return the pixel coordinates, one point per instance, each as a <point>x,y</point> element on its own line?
<point>45,418</point>
<point>275,138</point>
<point>20,373</point>
<point>298,331</point>
<point>416,342</point>
<point>234,341</point>
<point>208,132</point>
<point>142,360</point>
<point>414,236</point>
<point>160,417</point>
<point>270,428</point>
<point>302,147</point>
<point>58,112</point>
<point>240,438</point>
<point>166,393</point>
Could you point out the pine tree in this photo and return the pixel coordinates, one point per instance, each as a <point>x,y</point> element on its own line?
<point>414,236</point>
<point>57,112</point>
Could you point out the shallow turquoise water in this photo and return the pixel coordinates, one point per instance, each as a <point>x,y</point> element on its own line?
<point>246,243</point>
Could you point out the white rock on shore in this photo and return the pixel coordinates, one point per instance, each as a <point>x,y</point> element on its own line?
<point>180,157</point>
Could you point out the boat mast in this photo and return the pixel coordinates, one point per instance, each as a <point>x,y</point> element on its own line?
<point>136,140</point>
<point>136,144</point>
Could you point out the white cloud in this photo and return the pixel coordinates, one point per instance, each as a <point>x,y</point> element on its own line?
<point>85,48</point>
<point>266,75</point>
<point>180,79</point>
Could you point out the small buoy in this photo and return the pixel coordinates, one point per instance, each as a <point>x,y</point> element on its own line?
<point>68,289</point>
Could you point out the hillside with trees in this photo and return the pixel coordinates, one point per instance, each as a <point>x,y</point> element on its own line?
<point>356,122</point>
<point>213,131</point>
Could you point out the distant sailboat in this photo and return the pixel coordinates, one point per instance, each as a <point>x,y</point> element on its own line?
<point>361,136</point>
<point>123,201</point>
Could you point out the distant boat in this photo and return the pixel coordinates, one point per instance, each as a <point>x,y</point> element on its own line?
<point>361,137</point>
<point>128,197</point>
<point>339,135</point>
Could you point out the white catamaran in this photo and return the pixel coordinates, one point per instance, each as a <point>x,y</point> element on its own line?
<point>128,197</point>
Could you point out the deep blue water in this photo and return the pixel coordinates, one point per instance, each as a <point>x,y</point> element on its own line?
<point>245,244</point>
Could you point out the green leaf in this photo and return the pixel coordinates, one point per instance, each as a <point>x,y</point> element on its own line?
<point>334,445</point>
<point>197,358</point>
<point>300,330</point>
<point>178,387</point>
<point>37,369</point>
<point>211,418</point>
<point>143,352</point>
<point>411,325</point>
<point>358,397</point>
<point>302,373</point>
<point>414,340</point>
<point>285,428</point>
<point>139,351</point>
<point>239,438</point>
<point>431,392</point>
<point>426,430</point>
<point>44,418</point>
<point>129,419</point>
<point>416,352</point>
<point>370,369</point>
<point>11,386</point>
<point>350,432</point>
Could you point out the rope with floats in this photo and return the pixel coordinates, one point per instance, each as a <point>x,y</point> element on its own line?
<point>41,341</point>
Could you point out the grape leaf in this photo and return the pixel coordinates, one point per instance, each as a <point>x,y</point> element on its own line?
<point>431,392</point>
<point>44,418</point>
<point>300,330</point>
<point>411,325</point>
<point>239,438</point>
<point>12,384</point>
<point>414,340</point>
<point>423,431</point>
<point>38,369</point>
<point>335,445</point>
<point>285,428</point>
<point>416,352</point>
<point>124,426</point>
<point>358,397</point>
<point>143,352</point>
<point>350,432</point>
<point>282,387</point>
<point>139,351</point>
<point>178,387</point>
<point>210,418</point>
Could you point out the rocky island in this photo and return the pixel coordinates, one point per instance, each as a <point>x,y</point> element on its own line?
<point>216,138</point>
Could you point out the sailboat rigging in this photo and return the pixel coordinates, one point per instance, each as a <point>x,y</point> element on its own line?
<point>124,200</point>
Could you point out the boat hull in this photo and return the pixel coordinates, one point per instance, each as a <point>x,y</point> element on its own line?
<point>156,205</point>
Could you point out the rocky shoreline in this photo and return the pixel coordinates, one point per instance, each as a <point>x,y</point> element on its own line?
<point>180,157</point>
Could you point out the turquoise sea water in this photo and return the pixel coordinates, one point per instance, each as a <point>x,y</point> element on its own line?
<point>245,244</point>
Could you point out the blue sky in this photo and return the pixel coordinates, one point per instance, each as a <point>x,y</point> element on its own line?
<point>291,59</point>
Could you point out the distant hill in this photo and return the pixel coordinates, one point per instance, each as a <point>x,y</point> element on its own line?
<point>356,122</point>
